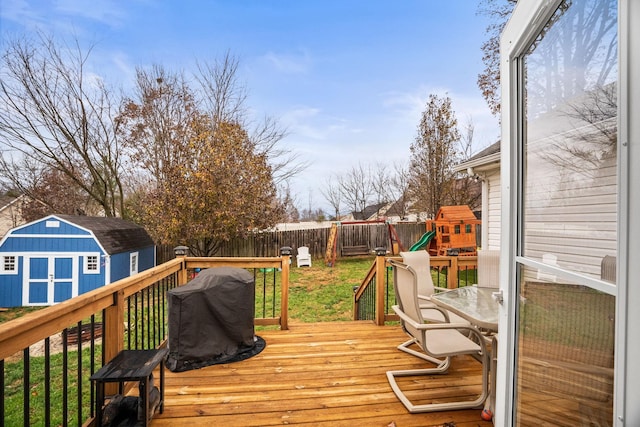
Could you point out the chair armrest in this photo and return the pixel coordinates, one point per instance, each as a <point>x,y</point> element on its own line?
<point>480,339</point>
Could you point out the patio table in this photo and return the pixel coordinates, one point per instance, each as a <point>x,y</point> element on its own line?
<point>480,308</point>
<point>473,303</point>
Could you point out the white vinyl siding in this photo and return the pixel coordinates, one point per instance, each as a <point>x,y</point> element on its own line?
<point>572,215</point>
<point>493,222</point>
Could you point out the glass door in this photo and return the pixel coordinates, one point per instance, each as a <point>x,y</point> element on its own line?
<point>566,233</point>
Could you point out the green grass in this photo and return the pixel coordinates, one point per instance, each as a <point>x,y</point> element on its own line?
<point>323,294</point>
<point>14,389</point>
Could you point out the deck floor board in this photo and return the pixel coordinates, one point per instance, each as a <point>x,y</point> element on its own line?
<point>322,374</point>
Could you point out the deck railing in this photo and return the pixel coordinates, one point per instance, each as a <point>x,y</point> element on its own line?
<point>375,296</point>
<point>45,377</point>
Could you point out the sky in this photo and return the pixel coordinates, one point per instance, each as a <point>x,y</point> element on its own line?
<point>348,79</point>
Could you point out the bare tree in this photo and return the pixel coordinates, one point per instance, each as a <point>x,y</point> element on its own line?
<point>433,154</point>
<point>489,80</point>
<point>577,57</point>
<point>380,185</point>
<point>288,203</point>
<point>224,97</point>
<point>399,189</point>
<point>52,114</point>
<point>356,187</point>
<point>466,190</point>
<point>333,195</point>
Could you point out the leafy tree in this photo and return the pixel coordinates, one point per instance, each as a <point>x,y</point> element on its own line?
<point>225,191</point>
<point>53,117</point>
<point>433,154</point>
<point>183,137</point>
<point>156,123</point>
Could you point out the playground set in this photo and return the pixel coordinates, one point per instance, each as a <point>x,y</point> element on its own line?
<point>452,232</point>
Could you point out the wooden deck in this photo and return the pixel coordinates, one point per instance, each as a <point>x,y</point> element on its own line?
<point>327,374</point>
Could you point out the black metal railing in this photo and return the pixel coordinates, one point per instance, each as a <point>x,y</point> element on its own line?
<point>48,356</point>
<point>372,296</point>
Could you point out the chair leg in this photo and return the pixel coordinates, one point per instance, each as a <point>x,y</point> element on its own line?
<point>412,408</point>
<point>442,364</point>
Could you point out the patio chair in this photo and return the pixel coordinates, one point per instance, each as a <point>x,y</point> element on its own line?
<point>489,268</point>
<point>420,262</point>
<point>439,341</point>
<point>303,258</point>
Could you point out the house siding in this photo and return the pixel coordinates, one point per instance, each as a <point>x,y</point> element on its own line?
<point>574,213</point>
<point>493,222</point>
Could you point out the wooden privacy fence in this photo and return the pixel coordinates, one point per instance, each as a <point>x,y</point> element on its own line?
<point>268,243</point>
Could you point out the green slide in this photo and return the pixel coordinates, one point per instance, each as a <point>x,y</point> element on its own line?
<point>424,241</point>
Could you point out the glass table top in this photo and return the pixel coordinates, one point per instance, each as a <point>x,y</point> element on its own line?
<point>475,304</point>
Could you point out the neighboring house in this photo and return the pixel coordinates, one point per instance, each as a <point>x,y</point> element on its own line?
<point>62,256</point>
<point>485,167</point>
<point>10,212</point>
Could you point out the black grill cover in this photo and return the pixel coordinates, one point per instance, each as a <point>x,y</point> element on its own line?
<point>211,318</point>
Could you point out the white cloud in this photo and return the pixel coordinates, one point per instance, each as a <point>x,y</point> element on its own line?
<point>289,63</point>
<point>109,12</point>
<point>21,12</point>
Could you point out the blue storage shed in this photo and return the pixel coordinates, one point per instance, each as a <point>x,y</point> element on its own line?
<point>62,256</point>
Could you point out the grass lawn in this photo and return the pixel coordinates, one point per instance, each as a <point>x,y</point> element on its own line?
<point>323,294</point>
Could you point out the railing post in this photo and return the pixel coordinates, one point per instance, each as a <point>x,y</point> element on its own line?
<point>285,253</point>
<point>113,332</point>
<point>452,276</point>
<point>380,284</point>
<point>183,276</point>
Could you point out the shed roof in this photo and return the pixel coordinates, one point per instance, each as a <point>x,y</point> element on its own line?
<point>116,235</point>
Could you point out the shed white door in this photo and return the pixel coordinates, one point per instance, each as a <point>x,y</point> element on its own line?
<point>49,279</point>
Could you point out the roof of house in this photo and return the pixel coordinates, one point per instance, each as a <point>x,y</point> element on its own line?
<point>7,200</point>
<point>116,235</point>
<point>368,212</point>
<point>487,156</point>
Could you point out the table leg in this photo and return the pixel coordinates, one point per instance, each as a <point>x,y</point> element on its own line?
<point>99,402</point>
<point>161,387</point>
<point>143,388</point>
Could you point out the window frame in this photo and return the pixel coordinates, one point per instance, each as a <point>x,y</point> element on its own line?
<point>5,262</point>
<point>87,263</point>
